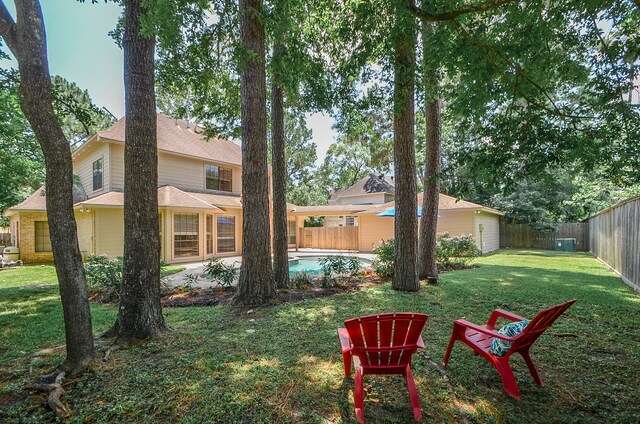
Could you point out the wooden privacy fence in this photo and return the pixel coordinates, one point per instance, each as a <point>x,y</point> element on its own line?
<point>523,236</point>
<point>614,238</point>
<point>339,238</point>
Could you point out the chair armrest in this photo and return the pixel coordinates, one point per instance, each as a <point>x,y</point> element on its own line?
<point>420,343</point>
<point>483,330</point>
<point>501,313</point>
<point>345,340</point>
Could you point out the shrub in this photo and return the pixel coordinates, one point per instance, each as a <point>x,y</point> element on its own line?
<point>338,268</point>
<point>104,275</point>
<point>383,263</point>
<point>301,279</point>
<point>219,272</point>
<point>456,251</point>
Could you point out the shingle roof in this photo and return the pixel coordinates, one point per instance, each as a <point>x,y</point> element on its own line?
<point>168,197</point>
<point>35,202</point>
<point>445,203</point>
<point>373,183</point>
<point>175,137</point>
<point>38,201</point>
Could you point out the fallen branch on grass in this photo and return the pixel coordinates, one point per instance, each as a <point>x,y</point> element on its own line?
<point>54,393</point>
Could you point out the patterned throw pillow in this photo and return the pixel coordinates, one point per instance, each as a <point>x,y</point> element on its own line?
<point>500,347</point>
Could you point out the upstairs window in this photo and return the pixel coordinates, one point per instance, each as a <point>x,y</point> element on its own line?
<point>97,174</point>
<point>217,178</point>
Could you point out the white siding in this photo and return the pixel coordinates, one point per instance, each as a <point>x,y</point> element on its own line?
<point>117,166</point>
<point>83,167</point>
<point>365,199</point>
<point>489,239</point>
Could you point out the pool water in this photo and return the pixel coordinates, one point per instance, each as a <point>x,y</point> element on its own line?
<point>311,265</point>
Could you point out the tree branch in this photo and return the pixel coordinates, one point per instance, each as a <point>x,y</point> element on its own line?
<point>447,16</point>
<point>8,28</point>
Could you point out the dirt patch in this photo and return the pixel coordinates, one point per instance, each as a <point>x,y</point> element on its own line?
<point>10,399</point>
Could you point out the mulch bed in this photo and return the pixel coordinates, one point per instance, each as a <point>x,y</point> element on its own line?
<point>183,297</point>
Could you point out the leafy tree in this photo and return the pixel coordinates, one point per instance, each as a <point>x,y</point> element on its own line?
<point>26,38</point>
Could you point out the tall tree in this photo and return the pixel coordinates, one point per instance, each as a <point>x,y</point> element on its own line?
<point>26,38</point>
<point>140,311</point>
<point>405,275</point>
<point>256,285</point>
<point>279,177</point>
<point>427,267</point>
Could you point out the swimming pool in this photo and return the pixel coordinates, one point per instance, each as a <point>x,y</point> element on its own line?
<point>311,264</point>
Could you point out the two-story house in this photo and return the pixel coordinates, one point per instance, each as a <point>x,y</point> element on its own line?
<point>199,187</point>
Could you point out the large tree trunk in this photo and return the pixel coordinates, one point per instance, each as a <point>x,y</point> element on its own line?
<point>27,41</point>
<point>279,177</point>
<point>406,229</point>
<point>427,267</point>
<point>256,275</point>
<point>140,312</point>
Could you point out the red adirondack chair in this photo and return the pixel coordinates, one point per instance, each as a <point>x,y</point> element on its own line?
<point>479,338</point>
<point>382,344</point>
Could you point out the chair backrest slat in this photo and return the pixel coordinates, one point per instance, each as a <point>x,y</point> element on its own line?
<point>385,339</point>
<point>539,325</point>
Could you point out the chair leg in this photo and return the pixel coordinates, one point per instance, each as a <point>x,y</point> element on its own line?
<point>508,379</point>
<point>358,395</point>
<point>346,358</point>
<point>413,395</point>
<point>532,368</point>
<point>447,354</point>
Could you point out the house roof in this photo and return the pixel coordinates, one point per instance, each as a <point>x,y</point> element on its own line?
<point>168,197</point>
<point>374,183</point>
<point>174,136</point>
<point>445,203</point>
<point>37,201</point>
<point>326,210</point>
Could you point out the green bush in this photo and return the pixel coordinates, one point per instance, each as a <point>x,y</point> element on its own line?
<point>338,268</point>
<point>219,272</point>
<point>104,275</point>
<point>301,279</point>
<point>383,263</point>
<point>456,251</point>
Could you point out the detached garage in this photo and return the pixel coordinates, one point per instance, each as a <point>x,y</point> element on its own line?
<point>457,217</point>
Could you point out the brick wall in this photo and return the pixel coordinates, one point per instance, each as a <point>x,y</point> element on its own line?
<point>27,236</point>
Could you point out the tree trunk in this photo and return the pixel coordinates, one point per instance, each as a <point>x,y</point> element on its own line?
<point>27,41</point>
<point>427,267</point>
<point>256,275</point>
<point>406,229</point>
<point>279,177</point>
<point>140,313</point>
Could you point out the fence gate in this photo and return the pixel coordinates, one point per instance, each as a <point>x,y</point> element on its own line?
<point>337,238</point>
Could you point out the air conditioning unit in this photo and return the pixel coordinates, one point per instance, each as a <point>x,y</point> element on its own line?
<point>566,244</point>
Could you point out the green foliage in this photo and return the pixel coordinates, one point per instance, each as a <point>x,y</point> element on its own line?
<point>104,275</point>
<point>300,280</point>
<point>455,252</point>
<point>336,269</point>
<point>383,264</point>
<point>222,274</point>
<point>213,364</point>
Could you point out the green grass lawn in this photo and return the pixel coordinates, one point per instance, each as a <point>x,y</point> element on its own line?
<point>287,367</point>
